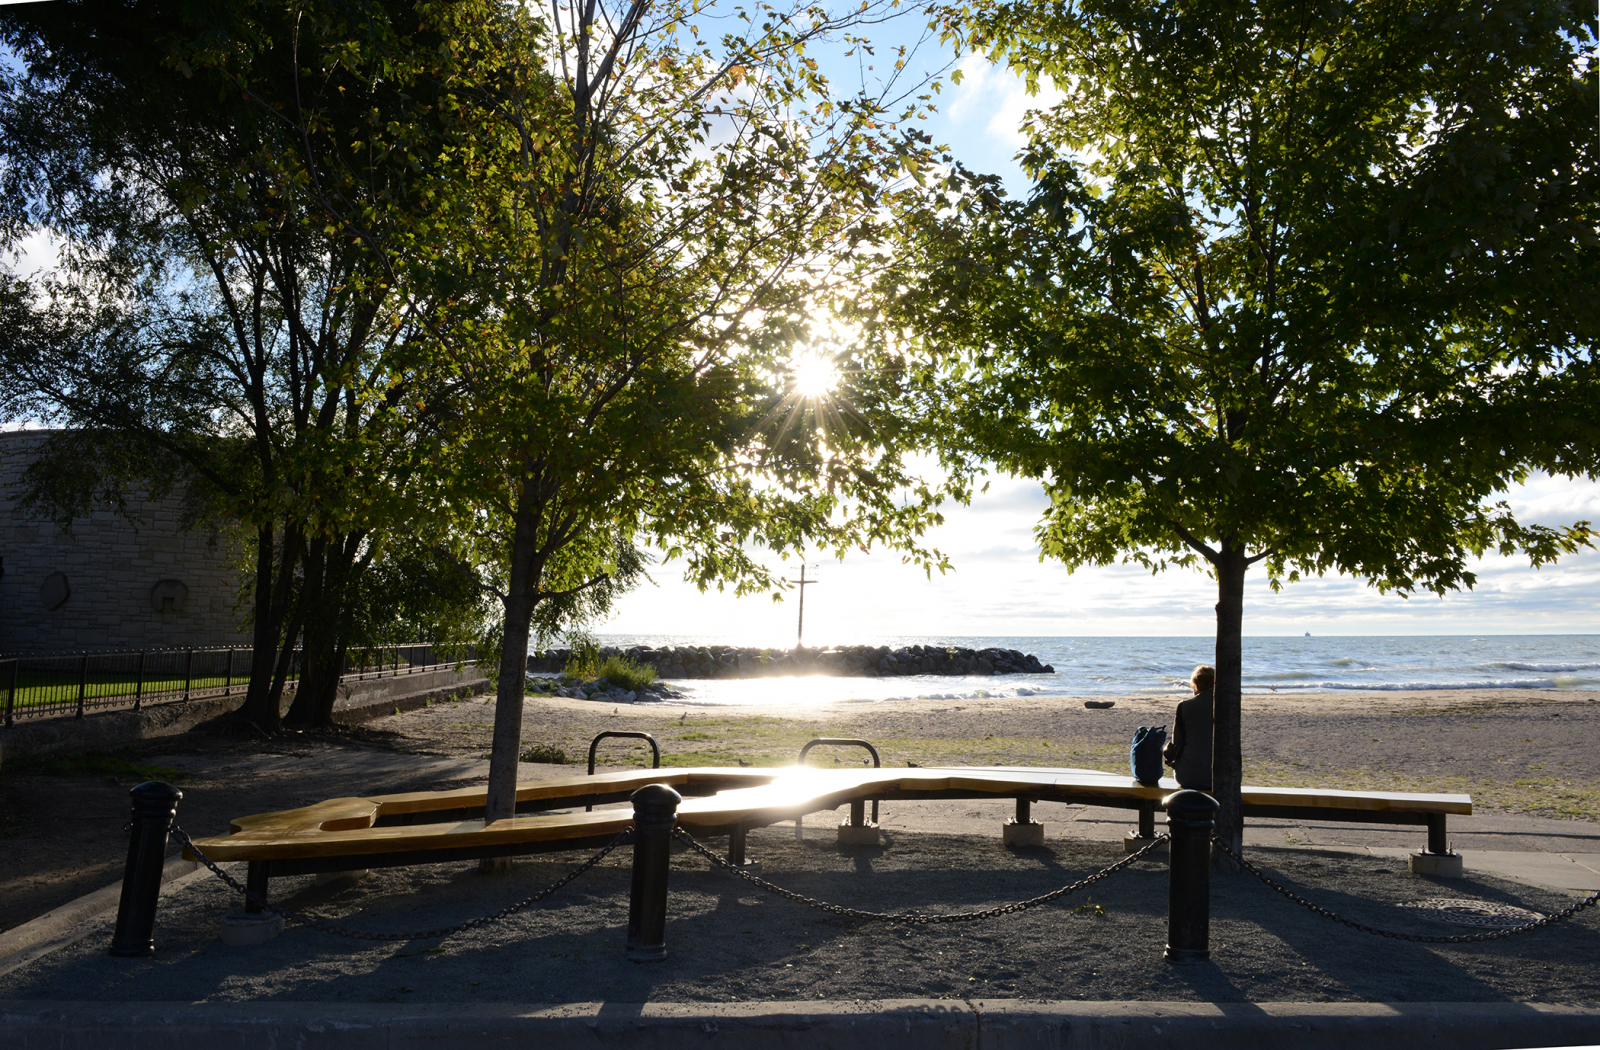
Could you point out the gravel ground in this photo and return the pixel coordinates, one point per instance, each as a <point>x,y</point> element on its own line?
<point>729,941</point>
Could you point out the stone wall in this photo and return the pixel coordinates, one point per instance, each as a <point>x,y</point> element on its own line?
<point>111,584</point>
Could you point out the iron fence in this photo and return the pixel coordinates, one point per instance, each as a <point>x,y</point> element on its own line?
<point>41,685</point>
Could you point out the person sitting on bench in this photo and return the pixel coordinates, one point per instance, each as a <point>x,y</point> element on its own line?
<point>1189,750</point>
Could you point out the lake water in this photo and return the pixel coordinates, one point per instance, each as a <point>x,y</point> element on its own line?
<point>1161,666</point>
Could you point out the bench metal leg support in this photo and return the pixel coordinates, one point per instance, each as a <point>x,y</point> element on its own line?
<point>1134,841</point>
<point>1022,830</point>
<point>736,841</point>
<point>255,880</point>
<point>255,925</point>
<point>1438,841</point>
<point>655,812</point>
<point>1437,861</point>
<point>857,831</point>
<point>1190,818</point>
<point>155,805</point>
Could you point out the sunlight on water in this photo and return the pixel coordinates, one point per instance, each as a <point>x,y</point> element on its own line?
<point>815,690</point>
<point>1160,667</point>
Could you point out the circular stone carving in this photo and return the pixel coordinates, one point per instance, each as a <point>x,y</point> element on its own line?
<point>54,592</point>
<point>1484,915</point>
<point>168,596</point>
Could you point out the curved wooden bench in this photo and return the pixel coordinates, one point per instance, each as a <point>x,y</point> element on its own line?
<point>431,826</point>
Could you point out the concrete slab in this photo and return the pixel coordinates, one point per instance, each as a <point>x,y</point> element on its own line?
<point>1482,831</point>
<point>911,1024</point>
<point>915,1025</point>
<point>1566,873</point>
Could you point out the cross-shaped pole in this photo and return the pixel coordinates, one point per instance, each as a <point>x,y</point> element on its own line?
<point>800,635</point>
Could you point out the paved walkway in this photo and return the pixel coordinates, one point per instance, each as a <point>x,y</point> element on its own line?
<point>1561,855</point>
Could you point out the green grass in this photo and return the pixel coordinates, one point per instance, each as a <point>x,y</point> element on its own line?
<point>1546,796</point>
<point>35,688</point>
<point>767,741</point>
<point>123,766</point>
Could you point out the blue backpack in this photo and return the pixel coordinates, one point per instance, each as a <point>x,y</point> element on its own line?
<point>1145,754</point>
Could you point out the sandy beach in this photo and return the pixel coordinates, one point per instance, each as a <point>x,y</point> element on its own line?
<point>1515,750</point>
<point>1042,713</point>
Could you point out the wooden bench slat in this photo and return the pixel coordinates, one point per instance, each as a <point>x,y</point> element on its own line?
<point>571,787</point>
<point>1329,798</point>
<point>263,844</point>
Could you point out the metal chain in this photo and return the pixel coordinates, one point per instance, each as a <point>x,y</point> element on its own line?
<point>363,935</point>
<point>912,918</point>
<point>1464,938</point>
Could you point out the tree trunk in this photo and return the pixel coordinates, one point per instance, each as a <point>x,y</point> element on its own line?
<point>314,639</point>
<point>261,701</point>
<point>1226,752</point>
<point>287,660</point>
<point>507,746</point>
<point>328,603</point>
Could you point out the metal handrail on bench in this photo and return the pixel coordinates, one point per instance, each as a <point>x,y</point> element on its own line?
<point>655,749</point>
<point>857,809</point>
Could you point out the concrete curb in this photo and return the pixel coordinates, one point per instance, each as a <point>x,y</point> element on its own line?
<point>1304,1026</point>
<point>111,730</point>
<point>919,1024</point>
<point>60,927</point>
<point>375,703</point>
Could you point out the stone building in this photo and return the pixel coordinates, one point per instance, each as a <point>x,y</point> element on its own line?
<point>110,584</point>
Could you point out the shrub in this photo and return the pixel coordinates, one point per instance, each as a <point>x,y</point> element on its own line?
<point>547,753</point>
<point>624,673</point>
<point>584,658</point>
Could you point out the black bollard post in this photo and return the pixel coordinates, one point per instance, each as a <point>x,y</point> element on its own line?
<point>655,812</point>
<point>1190,817</point>
<point>155,804</point>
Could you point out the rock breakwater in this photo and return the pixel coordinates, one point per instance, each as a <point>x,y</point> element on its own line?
<point>862,661</point>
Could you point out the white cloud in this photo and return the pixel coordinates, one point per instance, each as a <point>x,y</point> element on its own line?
<point>983,119</point>
<point>36,252</point>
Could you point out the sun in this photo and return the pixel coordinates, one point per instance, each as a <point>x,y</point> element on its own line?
<point>813,374</point>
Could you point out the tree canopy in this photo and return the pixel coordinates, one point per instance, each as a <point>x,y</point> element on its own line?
<point>643,223</point>
<point>1289,279</point>
<point>461,284</point>
<point>228,184</point>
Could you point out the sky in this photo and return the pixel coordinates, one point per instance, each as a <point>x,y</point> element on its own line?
<point>999,586</point>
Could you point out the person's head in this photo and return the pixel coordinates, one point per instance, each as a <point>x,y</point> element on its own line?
<point>1204,677</point>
